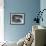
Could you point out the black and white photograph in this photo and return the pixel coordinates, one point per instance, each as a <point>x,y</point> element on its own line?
<point>17,18</point>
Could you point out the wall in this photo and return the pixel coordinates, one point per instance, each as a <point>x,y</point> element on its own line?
<point>29,7</point>
<point>43,6</point>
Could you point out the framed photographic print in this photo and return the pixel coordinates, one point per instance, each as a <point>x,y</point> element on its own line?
<point>17,18</point>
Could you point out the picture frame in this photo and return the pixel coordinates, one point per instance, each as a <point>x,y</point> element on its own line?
<point>17,18</point>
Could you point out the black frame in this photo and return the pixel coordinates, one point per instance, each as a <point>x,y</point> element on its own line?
<point>15,14</point>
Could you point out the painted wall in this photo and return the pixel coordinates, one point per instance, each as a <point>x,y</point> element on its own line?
<point>43,6</point>
<point>29,7</point>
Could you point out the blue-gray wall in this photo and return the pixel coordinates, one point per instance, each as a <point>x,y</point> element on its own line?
<point>43,6</point>
<point>29,7</point>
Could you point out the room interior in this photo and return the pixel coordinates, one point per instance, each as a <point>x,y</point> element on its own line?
<point>16,32</point>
